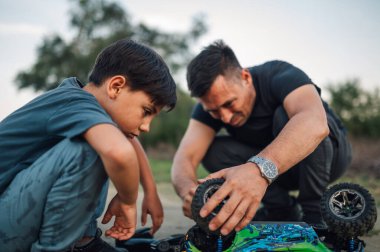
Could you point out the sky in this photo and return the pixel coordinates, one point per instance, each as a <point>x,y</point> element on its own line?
<point>331,40</point>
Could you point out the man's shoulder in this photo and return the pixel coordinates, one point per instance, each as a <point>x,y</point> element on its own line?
<point>271,64</point>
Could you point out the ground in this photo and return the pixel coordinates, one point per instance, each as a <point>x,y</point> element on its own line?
<point>175,223</point>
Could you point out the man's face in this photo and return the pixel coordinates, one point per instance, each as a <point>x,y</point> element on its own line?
<point>230,98</point>
<point>132,111</point>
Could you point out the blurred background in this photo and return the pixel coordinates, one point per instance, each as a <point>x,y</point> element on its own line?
<point>335,42</point>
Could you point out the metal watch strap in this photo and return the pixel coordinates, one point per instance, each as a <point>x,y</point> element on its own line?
<point>260,162</point>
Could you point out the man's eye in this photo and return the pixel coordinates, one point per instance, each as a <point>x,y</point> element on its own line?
<point>214,114</point>
<point>228,104</point>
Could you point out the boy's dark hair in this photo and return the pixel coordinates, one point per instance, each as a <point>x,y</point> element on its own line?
<point>144,69</point>
<point>215,59</point>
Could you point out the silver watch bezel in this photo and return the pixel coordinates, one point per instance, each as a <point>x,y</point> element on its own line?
<point>263,163</point>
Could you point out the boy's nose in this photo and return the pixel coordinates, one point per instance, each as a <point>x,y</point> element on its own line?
<point>145,127</point>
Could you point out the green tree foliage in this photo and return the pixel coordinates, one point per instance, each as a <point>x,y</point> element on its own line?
<point>96,24</point>
<point>358,108</point>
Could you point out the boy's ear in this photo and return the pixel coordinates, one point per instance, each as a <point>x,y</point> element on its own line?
<point>114,85</point>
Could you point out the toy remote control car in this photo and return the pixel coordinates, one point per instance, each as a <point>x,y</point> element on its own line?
<point>348,209</point>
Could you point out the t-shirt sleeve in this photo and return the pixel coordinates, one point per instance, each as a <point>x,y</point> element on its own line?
<point>76,116</point>
<point>286,79</point>
<point>202,116</point>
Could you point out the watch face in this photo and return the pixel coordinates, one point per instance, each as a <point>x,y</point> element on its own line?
<point>270,170</point>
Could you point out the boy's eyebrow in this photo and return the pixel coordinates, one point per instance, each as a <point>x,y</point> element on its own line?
<point>153,108</point>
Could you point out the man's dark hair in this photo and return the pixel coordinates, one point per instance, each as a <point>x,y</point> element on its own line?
<point>215,59</point>
<point>143,68</point>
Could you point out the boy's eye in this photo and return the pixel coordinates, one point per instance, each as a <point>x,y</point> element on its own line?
<point>147,112</point>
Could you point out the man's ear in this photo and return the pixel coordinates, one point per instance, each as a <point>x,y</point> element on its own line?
<point>114,85</point>
<point>246,76</point>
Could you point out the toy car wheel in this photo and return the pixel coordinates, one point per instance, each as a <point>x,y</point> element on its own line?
<point>349,210</point>
<point>202,194</point>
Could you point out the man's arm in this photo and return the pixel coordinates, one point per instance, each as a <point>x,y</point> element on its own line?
<point>306,128</point>
<point>191,150</point>
<point>151,203</point>
<point>121,164</point>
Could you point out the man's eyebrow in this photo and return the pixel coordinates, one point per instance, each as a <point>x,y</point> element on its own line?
<point>224,104</point>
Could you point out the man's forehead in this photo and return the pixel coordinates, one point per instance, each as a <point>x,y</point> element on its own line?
<point>213,105</point>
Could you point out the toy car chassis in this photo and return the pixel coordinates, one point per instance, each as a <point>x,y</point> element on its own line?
<point>348,209</point>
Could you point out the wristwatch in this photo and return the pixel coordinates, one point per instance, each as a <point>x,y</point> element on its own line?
<point>267,168</point>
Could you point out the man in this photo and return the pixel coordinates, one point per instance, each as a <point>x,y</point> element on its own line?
<point>57,151</point>
<point>281,137</point>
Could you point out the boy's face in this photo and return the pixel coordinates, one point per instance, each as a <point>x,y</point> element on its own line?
<point>132,111</point>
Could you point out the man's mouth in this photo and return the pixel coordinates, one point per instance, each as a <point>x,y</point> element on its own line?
<point>235,120</point>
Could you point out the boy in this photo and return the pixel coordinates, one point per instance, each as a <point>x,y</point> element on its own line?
<point>57,151</point>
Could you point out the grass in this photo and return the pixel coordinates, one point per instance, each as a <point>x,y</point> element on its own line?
<point>161,172</point>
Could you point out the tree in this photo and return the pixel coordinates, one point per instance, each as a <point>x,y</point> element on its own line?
<point>96,24</point>
<point>358,108</point>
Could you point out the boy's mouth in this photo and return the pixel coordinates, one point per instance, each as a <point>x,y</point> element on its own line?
<point>131,135</point>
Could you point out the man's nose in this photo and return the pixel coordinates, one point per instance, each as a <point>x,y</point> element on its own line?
<point>226,115</point>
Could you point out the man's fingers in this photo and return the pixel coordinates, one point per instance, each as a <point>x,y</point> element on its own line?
<point>251,211</point>
<point>238,214</point>
<point>192,191</point>
<point>215,200</point>
<point>229,209</point>
<point>218,174</point>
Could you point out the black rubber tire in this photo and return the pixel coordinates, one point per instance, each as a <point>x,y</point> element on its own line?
<point>202,194</point>
<point>349,210</point>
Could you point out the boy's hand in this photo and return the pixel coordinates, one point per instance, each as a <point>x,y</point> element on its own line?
<point>125,219</point>
<point>152,205</point>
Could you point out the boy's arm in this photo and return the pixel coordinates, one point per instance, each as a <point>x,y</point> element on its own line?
<point>120,162</point>
<point>151,203</point>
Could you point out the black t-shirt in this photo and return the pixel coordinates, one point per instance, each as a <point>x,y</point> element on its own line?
<point>273,81</point>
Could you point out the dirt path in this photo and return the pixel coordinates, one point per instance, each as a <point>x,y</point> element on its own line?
<point>175,223</point>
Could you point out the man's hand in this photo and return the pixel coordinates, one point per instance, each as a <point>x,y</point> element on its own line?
<point>245,188</point>
<point>152,205</point>
<point>186,202</point>
<point>125,219</point>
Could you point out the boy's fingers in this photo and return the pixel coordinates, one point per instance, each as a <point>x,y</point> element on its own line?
<point>107,217</point>
<point>156,224</point>
<point>143,217</point>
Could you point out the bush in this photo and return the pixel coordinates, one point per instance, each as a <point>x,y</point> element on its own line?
<point>359,109</point>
